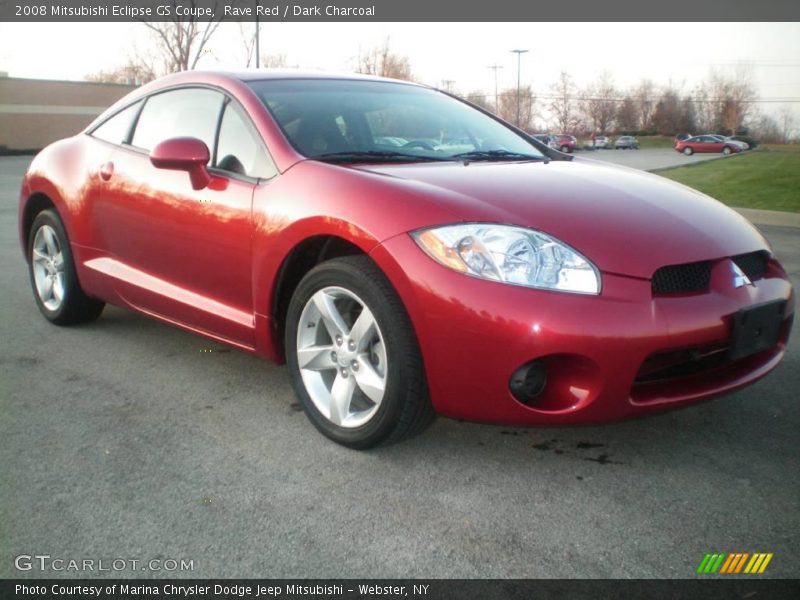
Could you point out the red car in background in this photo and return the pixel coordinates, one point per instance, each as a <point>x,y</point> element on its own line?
<point>563,142</point>
<point>494,279</point>
<point>706,143</point>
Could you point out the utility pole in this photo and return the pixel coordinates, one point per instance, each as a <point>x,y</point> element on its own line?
<point>519,54</point>
<point>494,68</point>
<point>258,39</point>
<point>448,85</point>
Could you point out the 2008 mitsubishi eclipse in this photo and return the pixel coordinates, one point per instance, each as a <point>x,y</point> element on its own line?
<point>404,252</point>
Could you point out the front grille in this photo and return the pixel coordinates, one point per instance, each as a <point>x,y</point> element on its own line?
<point>754,264</point>
<point>677,279</point>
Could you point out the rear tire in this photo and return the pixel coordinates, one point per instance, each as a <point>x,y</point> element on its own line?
<point>565,149</point>
<point>353,356</point>
<point>51,268</point>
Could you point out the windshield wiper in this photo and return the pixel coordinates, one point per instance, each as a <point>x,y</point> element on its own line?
<point>497,155</point>
<point>373,156</point>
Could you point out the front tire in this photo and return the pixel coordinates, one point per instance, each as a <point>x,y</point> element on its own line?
<point>565,149</point>
<point>353,357</point>
<point>726,150</point>
<point>688,151</point>
<point>51,268</point>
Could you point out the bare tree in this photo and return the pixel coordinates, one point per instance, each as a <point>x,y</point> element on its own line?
<point>478,98</point>
<point>645,102</point>
<point>247,33</point>
<point>705,109</point>
<point>183,40</point>
<point>627,115</point>
<point>274,61</point>
<point>133,73</point>
<point>564,106</point>
<point>599,103</point>
<point>508,106</point>
<point>383,62</point>
<point>667,113</point>
<point>730,98</point>
<point>767,129</point>
<point>787,122</point>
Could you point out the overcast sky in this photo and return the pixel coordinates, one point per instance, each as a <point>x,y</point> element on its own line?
<point>682,53</point>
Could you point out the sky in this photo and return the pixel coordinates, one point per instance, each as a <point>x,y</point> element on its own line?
<point>677,53</point>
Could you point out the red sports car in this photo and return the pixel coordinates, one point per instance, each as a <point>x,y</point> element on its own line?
<point>493,279</point>
<point>707,143</point>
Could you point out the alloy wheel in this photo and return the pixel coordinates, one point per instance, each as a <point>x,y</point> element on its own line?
<point>48,268</point>
<point>341,356</point>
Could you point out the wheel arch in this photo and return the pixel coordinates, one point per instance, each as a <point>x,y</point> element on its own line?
<point>36,203</point>
<point>303,257</point>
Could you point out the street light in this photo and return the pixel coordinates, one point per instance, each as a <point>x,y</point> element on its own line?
<point>494,67</point>
<point>519,54</point>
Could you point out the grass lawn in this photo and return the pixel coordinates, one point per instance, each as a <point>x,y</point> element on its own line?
<point>767,178</point>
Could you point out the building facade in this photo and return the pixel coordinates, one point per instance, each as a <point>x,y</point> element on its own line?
<point>36,112</point>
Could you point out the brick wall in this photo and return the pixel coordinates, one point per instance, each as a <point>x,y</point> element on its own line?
<point>35,112</point>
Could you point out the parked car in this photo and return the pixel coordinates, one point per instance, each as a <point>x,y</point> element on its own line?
<point>626,142</point>
<point>751,142</point>
<point>707,143</point>
<point>601,141</point>
<point>728,139</point>
<point>506,283</point>
<point>542,137</point>
<point>682,136</point>
<point>564,143</point>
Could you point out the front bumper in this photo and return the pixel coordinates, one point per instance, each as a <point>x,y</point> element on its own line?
<point>474,334</point>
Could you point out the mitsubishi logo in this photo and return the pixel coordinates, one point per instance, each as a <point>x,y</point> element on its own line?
<point>739,278</point>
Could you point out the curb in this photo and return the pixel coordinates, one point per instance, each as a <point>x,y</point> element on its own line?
<point>770,217</point>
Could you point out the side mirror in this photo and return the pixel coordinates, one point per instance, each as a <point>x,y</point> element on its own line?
<point>184,154</point>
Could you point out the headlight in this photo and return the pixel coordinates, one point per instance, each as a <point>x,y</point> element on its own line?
<point>510,254</point>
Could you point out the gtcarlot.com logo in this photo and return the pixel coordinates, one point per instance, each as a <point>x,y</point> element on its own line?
<point>733,563</point>
<point>45,562</point>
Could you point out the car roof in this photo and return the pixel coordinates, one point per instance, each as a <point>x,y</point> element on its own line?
<point>248,75</point>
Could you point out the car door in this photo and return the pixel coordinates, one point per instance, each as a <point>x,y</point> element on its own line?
<point>712,144</point>
<point>175,252</point>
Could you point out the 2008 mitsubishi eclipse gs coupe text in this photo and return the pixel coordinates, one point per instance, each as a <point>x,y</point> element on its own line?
<point>463,268</point>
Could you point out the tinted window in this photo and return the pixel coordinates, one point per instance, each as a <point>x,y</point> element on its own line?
<point>327,116</point>
<point>239,149</point>
<point>117,128</point>
<point>179,113</point>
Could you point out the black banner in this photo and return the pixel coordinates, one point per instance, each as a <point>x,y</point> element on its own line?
<point>431,589</point>
<point>398,11</point>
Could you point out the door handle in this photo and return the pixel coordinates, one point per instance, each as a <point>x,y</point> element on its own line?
<point>106,171</point>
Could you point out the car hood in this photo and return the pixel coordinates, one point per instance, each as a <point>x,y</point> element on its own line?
<point>625,221</point>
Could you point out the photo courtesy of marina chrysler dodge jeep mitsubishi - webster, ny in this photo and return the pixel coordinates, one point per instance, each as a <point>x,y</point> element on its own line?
<point>404,252</point>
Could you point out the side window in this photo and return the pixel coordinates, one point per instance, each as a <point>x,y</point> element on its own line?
<point>116,128</point>
<point>239,150</point>
<point>179,113</point>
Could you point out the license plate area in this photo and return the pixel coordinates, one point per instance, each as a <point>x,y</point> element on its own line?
<point>756,328</point>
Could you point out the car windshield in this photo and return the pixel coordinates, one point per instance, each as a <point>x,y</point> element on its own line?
<point>354,121</point>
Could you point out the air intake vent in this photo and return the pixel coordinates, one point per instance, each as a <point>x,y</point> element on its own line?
<point>754,264</point>
<point>682,279</point>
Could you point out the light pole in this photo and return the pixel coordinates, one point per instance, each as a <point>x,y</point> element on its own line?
<point>494,67</point>
<point>519,54</point>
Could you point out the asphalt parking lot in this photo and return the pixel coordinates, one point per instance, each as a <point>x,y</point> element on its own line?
<point>648,159</point>
<point>125,439</point>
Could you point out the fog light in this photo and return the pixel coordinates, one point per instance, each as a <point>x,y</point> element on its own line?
<point>528,382</point>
